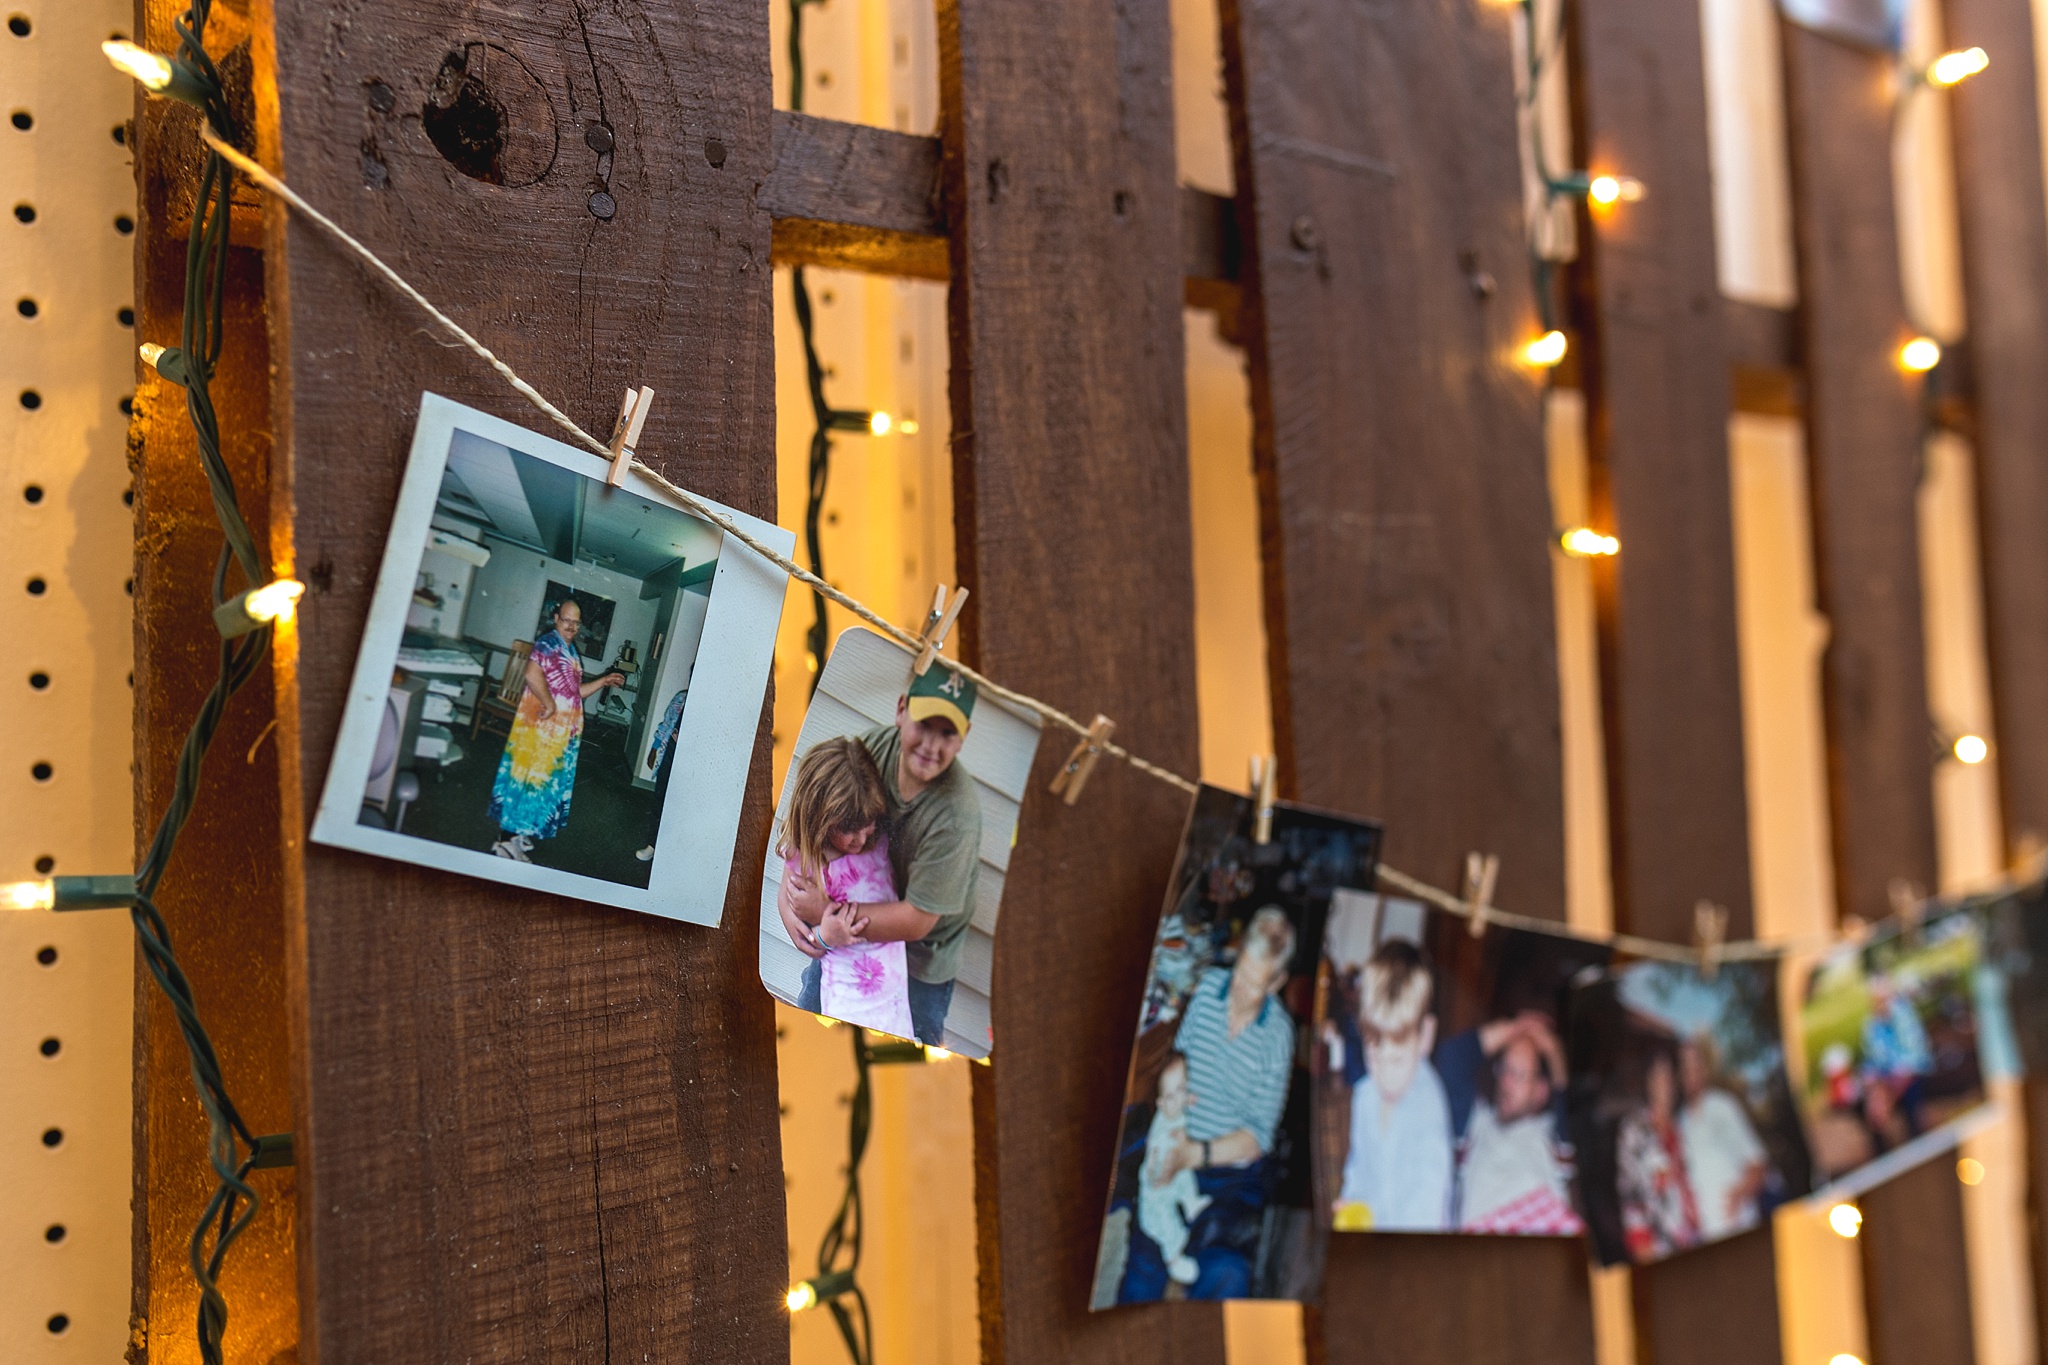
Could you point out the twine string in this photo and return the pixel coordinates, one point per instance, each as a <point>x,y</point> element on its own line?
<point>1634,945</point>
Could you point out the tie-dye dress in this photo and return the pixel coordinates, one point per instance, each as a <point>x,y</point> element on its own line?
<point>537,776</point>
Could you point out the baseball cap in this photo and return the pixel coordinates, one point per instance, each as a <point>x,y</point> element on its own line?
<point>941,691</point>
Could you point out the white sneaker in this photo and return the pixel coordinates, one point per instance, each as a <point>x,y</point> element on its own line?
<point>646,855</point>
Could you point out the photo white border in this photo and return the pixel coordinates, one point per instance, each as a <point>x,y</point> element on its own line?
<point>700,821</point>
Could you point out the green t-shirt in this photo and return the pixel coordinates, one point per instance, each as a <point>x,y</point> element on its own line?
<point>935,853</point>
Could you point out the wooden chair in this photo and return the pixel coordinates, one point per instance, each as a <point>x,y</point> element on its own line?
<point>502,703</point>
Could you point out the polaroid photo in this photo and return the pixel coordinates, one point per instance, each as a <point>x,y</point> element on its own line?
<point>1890,1033</point>
<point>1680,1107</point>
<point>1211,1195</point>
<point>891,841</point>
<point>1440,1073</point>
<point>560,682</point>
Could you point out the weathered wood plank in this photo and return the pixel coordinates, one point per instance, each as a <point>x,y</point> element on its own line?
<point>1072,525</point>
<point>1864,450</point>
<point>223,894</point>
<point>2005,276</point>
<point>1864,439</point>
<point>1657,380</point>
<point>530,1128</point>
<point>1407,525</point>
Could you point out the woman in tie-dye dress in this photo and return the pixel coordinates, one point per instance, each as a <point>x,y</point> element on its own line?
<point>537,776</point>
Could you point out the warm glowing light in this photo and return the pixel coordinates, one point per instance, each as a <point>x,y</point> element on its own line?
<point>879,423</point>
<point>151,353</point>
<point>153,70</point>
<point>801,1296</point>
<point>908,426</point>
<point>1972,749</point>
<point>1547,349</point>
<point>29,896</point>
<point>1583,542</point>
<point>1614,189</point>
<point>937,1054</point>
<point>1846,1220</point>
<point>828,1023</point>
<point>1845,1359</point>
<point>1951,68</point>
<point>1920,355</point>
<point>274,601</point>
<point>1970,1171</point>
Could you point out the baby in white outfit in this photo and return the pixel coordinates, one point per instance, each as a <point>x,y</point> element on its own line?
<point>1167,1210</point>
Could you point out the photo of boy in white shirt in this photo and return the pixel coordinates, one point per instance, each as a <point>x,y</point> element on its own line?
<point>1397,1176</point>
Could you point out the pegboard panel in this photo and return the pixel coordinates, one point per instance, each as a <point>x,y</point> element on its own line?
<point>66,371</point>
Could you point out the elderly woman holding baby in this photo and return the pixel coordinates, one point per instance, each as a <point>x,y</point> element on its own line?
<point>1238,1040</point>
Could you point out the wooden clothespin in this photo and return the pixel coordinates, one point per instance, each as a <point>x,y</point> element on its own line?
<point>1909,904</point>
<point>1073,775</point>
<point>1482,871</point>
<point>626,433</point>
<point>936,623</point>
<point>1710,931</point>
<point>1265,778</point>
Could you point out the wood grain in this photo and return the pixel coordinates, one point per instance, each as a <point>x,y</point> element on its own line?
<point>1863,449</point>
<point>855,197</point>
<point>1406,524</point>
<point>1072,526</point>
<point>2005,275</point>
<point>530,1128</point>
<point>1656,372</point>
<point>223,893</point>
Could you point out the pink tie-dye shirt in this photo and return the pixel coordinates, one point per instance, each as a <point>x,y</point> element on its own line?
<point>865,983</point>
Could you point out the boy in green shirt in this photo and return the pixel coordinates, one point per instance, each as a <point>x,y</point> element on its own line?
<point>934,850</point>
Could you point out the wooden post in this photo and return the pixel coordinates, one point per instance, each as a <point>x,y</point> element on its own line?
<point>1864,435</point>
<point>1407,529</point>
<point>223,893</point>
<point>1070,503</point>
<point>1656,372</point>
<point>529,1128</point>
<point>2005,279</point>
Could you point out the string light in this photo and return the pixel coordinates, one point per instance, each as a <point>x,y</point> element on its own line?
<point>274,602</point>
<point>1846,1220</point>
<point>879,423</point>
<point>937,1054</point>
<point>1546,350</point>
<point>1607,190</point>
<point>1970,1171</point>
<point>1971,749</point>
<point>29,896</point>
<point>1844,1358</point>
<point>157,73</point>
<point>1920,355</point>
<point>1583,542</point>
<point>1953,68</point>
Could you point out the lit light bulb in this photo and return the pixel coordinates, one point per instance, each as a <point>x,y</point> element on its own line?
<point>1846,1220</point>
<point>801,1295</point>
<point>29,896</point>
<point>879,423</point>
<point>1844,1358</point>
<point>152,69</point>
<point>908,426</point>
<point>1972,749</point>
<point>1583,542</point>
<point>151,353</point>
<point>1952,68</point>
<point>937,1054</point>
<point>1605,190</point>
<point>276,601</point>
<point>1547,349</point>
<point>1970,1171</point>
<point>1920,355</point>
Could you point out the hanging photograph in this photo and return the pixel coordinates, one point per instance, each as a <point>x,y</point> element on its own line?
<point>2017,925</point>
<point>891,841</point>
<point>1440,1073</point>
<point>1681,1112</point>
<point>560,681</point>
<point>1212,1194</point>
<point>1890,1032</point>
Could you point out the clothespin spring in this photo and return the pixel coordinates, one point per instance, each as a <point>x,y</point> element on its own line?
<point>937,623</point>
<point>1073,774</point>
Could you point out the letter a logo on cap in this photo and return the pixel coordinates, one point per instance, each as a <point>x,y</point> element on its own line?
<point>942,691</point>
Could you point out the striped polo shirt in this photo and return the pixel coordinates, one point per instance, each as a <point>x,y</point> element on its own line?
<point>1236,1082</point>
